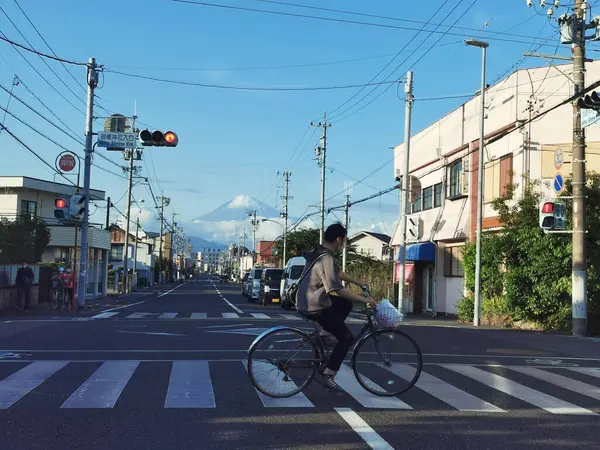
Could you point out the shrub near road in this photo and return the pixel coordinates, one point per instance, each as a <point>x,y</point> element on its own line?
<point>525,273</point>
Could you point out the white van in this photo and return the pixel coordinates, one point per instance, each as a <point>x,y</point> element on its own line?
<point>254,284</point>
<point>291,275</point>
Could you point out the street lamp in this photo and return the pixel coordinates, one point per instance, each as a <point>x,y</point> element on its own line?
<point>284,240</point>
<point>477,307</point>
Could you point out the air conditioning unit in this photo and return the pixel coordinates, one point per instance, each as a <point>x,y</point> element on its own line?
<point>398,175</point>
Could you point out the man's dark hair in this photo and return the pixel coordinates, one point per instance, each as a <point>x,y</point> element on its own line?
<point>335,231</point>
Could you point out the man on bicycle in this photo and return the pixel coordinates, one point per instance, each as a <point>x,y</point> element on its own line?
<point>322,297</point>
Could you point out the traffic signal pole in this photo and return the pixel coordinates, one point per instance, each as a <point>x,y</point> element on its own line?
<point>92,82</point>
<point>128,218</point>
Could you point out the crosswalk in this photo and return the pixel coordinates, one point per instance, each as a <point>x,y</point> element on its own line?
<point>203,315</point>
<point>206,384</point>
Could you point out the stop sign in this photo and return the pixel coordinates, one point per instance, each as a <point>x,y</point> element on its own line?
<point>66,163</point>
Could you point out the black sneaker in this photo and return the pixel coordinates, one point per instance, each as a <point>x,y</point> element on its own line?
<point>330,383</point>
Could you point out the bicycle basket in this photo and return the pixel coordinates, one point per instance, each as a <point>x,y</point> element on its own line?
<point>387,315</point>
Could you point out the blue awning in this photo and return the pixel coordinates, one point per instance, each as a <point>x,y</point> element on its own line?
<point>424,251</point>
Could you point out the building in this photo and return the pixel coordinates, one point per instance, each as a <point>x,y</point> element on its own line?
<point>26,195</point>
<point>266,254</point>
<point>140,250</point>
<point>443,158</point>
<point>209,258</point>
<point>373,245</point>
<point>155,240</point>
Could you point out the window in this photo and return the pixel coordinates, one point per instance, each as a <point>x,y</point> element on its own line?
<point>437,195</point>
<point>28,208</point>
<point>418,205</point>
<point>457,182</point>
<point>62,254</point>
<point>498,174</point>
<point>453,262</point>
<point>427,198</point>
<point>116,253</point>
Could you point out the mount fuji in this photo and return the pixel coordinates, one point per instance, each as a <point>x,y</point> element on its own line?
<point>238,210</point>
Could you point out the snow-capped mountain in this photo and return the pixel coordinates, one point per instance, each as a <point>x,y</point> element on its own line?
<point>238,209</point>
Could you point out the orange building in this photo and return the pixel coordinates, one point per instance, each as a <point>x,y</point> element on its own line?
<point>266,254</point>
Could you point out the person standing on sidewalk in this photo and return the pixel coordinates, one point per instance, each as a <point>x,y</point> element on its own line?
<point>23,283</point>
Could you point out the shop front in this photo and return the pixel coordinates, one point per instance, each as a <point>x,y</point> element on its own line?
<point>420,278</point>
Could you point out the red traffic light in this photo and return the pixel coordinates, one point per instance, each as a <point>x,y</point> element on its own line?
<point>548,208</point>
<point>170,137</point>
<point>60,203</point>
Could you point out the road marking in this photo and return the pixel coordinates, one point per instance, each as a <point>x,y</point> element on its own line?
<point>592,372</point>
<point>347,381</point>
<point>227,326</point>
<point>230,316</point>
<point>151,333</point>
<point>124,306</point>
<point>297,401</point>
<point>238,310</point>
<point>190,386</point>
<point>104,387</point>
<point>524,393</point>
<point>168,292</point>
<point>260,315</point>
<point>372,439</point>
<point>167,316</point>
<point>104,315</point>
<point>564,382</point>
<point>21,383</point>
<point>290,316</point>
<point>137,315</point>
<point>198,315</point>
<point>457,398</point>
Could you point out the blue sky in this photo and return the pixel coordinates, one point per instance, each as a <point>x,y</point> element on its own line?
<point>233,142</point>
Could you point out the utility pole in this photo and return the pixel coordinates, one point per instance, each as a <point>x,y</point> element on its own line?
<point>286,198</point>
<point>164,201</point>
<point>346,225</point>
<point>404,206</point>
<point>254,223</point>
<point>171,248</point>
<point>130,153</point>
<point>108,206</point>
<point>92,82</point>
<point>135,252</point>
<point>321,152</point>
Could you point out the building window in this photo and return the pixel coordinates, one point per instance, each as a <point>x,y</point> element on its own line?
<point>437,195</point>
<point>417,206</point>
<point>62,255</point>
<point>453,262</point>
<point>427,198</point>
<point>116,253</point>
<point>498,174</point>
<point>457,181</point>
<point>28,208</point>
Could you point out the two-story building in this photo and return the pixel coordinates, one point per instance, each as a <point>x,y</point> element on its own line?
<point>33,196</point>
<point>372,245</point>
<point>140,250</point>
<point>525,138</point>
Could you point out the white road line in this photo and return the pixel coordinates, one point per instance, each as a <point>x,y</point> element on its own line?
<point>457,398</point>
<point>590,371</point>
<point>21,383</point>
<point>124,306</point>
<point>225,326</point>
<point>290,317</point>
<point>137,315</point>
<point>230,316</point>
<point>167,316</point>
<point>168,292</point>
<point>347,381</point>
<point>524,393</point>
<point>238,310</point>
<point>104,387</point>
<point>199,316</point>
<point>190,386</point>
<point>561,381</point>
<point>259,315</point>
<point>372,439</point>
<point>104,315</point>
<point>297,401</point>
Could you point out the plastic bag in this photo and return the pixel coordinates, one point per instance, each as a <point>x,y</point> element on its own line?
<point>387,315</point>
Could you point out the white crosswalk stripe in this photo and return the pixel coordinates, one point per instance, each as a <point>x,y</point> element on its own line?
<point>190,385</point>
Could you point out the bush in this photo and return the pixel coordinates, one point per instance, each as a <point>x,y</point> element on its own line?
<point>465,309</point>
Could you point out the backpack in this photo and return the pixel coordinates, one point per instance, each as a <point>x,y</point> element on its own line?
<point>292,291</point>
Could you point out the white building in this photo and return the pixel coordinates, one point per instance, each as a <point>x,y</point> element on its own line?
<point>210,257</point>
<point>140,250</point>
<point>443,157</point>
<point>25,195</point>
<point>373,245</point>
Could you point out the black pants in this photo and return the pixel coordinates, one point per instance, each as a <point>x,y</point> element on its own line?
<point>23,292</point>
<point>333,320</point>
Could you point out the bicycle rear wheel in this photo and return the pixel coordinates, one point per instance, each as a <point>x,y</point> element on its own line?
<point>371,356</point>
<point>283,362</point>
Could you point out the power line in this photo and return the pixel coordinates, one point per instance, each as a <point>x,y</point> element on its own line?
<point>243,88</point>
<point>31,50</point>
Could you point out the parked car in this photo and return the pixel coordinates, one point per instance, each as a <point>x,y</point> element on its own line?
<point>291,274</point>
<point>254,284</point>
<point>270,282</point>
<point>245,284</point>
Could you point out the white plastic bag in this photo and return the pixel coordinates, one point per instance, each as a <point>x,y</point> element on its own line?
<point>387,315</point>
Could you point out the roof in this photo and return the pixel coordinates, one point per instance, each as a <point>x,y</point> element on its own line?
<point>36,184</point>
<point>380,236</point>
<point>152,234</point>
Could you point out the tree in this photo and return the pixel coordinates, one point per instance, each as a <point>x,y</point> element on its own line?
<point>24,238</point>
<point>298,242</point>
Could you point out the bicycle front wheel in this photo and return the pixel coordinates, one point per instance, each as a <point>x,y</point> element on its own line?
<point>374,357</point>
<point>283,362</point>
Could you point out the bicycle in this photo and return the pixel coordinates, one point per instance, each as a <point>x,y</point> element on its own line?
<point>312,343</point>
<point>58,295</point>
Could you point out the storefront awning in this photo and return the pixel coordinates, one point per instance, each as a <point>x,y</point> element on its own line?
<point>424,251</point>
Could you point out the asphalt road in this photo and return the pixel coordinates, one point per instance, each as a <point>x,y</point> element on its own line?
<point>168,372</point>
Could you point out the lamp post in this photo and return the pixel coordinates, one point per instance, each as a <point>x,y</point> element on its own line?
<point>477,308</point>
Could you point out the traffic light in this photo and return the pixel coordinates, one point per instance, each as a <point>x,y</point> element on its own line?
<point>61,212</point>
<point>77,207</point>
<point>553,216</point>
<point>157,138</point>
<point>590,101</point>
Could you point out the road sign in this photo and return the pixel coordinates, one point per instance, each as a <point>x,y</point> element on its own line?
<point>559,158</point>
<point>559,183</point>
<point>589,117</point>
<point>67,162</point>
<point>116,140</point>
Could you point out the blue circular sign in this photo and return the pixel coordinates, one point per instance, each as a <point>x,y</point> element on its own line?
<point>558,182</point>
